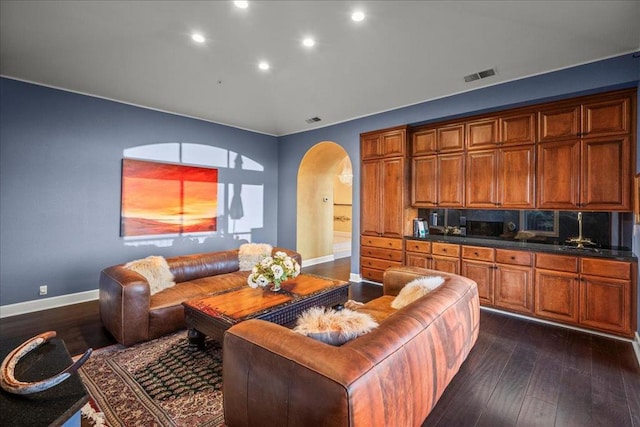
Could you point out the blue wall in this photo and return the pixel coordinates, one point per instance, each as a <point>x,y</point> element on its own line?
<point>60,173</point>
<point>60,157</point>
<point>614,73</point>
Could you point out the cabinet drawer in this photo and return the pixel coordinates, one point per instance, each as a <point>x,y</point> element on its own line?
<point>557,262</point>
<point>478,253</point>
<point>379,264</point>
<point>415,246</point>
<point>445,249</point>
<point>605,268</point>
<point>387,254</point>
<point>505,256</point>
<point>381,242</point>
<point>372,274</point>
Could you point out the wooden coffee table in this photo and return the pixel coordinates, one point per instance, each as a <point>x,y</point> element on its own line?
<point>214,314</point>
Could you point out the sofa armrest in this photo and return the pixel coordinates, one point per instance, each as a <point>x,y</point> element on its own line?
<point>124,304</point>
<point>395,278</point>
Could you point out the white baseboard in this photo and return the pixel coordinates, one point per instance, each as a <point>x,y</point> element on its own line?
<point>355,277</point>
<point>319,260</point>
<point>47,303</point>
<point>342,254</point>
<point>636,346</point>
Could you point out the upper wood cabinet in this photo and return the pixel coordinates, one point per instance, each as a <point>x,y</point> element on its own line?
<point>501,178</point>
<point>389,143</point>
<point>604,116</point>
<point>381,198</point>
<point>438,180</point>
<point>585,174</point>
<point>512,129</point>
<point>442,139</point>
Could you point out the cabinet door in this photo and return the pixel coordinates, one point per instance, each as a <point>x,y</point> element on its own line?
<point>424,181</point>
<point>482,273</point>
<point>514,288</point>
<point>482,177</point>
<point>559,123</point>
<point>556,295</point>
<point>446,264</point>
<point>558,176</point>
<point>482,134</point>
<point>516,173</point>
<point>418,260</point>
<point>370,147</point>
<point>451,138</point>
<point>424,142</point>
<point>392,144</point>
<point>604,118</point>
<point>606,174</point>
<point>518,129</point>
<point>605,304</point>
<point>392,201</point>
<point>370,198</point>
<point>451,180</point>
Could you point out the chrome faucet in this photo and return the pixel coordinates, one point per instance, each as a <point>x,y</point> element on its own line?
<point>580,241</point>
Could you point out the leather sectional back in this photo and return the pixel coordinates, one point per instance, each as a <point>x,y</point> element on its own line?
<point>196,266</point>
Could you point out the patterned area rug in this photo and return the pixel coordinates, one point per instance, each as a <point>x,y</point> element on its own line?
<point>157,383</point>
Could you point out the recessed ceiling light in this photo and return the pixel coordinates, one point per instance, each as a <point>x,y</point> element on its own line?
<point>197,37</point>
<point>241,4</point>
<point>263,65</point>
<point>308,42</point>
<point>357,16</point>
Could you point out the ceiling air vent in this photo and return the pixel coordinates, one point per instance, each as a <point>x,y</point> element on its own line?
<point>480,75</point>
<point>313,120</point>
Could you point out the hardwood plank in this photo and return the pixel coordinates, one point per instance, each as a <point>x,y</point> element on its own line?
<point>574,403</point>
<point>579,355</point>
<point>545,380</point>
<point>536,413</point>
<point>507,398</point>
<point>630,371</point>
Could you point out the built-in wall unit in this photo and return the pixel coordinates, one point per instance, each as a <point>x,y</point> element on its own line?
<point>533,203</point>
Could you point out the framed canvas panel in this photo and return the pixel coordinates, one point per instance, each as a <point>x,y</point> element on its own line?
<point>167,198</point>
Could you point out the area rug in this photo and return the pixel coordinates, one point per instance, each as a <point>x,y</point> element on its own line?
<point>157,383</point>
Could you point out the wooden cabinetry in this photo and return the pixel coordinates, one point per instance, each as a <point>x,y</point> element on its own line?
<point>383,200</point>
<point>585,155</point>
<point>418,254</point>
<point>501,178</point>
<point>438,180</point>
<point>590,292</point>
<point>445,257</point>
<point>514,281</point>
<point>377,254</point>
<point>478,263</point>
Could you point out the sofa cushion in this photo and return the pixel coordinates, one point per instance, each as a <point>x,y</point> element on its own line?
<point>155,270</point>
<point>250,254</point>
<point>333,327</point>
<point>415,289</point>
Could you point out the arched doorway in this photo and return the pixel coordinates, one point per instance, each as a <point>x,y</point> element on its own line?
<point>324,210</point>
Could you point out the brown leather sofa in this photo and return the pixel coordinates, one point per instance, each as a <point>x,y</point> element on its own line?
<point>392,376</point>
<point>132,315</point>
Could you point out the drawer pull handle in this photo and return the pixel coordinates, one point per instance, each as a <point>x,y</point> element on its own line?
<point>476,253</point>
<point>513,258</point>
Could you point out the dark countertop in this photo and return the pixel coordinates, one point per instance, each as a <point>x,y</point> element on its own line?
<point>622,255</point>
<point>52,407</point>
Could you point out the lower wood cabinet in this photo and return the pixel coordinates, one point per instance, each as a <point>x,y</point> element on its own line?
<point>418,254</point>
<point>514,281</point>
<point>377,254</point>
<point>478,265</point>
<point>588,292</point>
<point>445,257</point>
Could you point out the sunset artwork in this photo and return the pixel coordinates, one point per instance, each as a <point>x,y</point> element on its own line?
<point>164,198</point>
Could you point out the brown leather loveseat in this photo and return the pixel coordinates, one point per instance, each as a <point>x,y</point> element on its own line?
<point>392,376</point>
<point>131,314</point>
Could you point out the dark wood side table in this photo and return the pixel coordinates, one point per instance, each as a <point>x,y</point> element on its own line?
<point>53,407</point>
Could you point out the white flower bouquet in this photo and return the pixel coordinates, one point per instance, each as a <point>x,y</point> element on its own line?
<point>273,269</point>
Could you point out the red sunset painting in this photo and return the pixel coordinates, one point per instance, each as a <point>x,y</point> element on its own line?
<point>165,198</point>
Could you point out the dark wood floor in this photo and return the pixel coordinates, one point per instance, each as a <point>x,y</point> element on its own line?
<point>520,373</point>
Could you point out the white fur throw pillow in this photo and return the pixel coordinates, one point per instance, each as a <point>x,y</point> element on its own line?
<point>250,254</point>
<point>333,327</point>
<point>416,289</point>
<point>156,270</point>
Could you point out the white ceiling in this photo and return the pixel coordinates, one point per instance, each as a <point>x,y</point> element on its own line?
<point>404,52</point>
